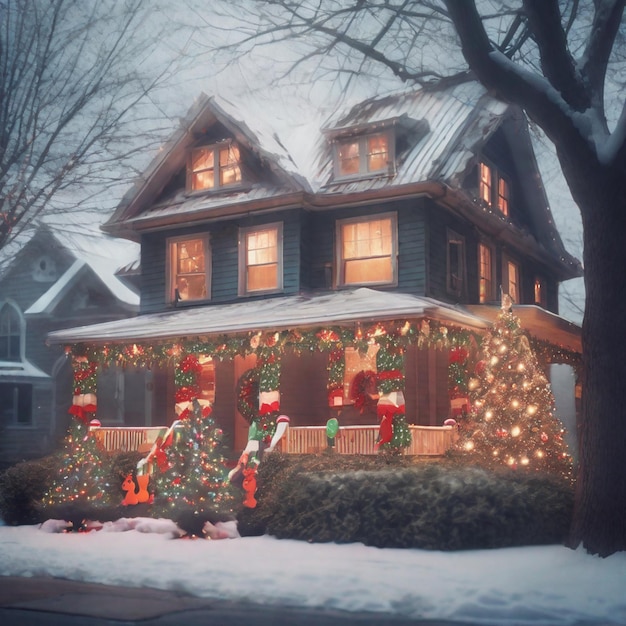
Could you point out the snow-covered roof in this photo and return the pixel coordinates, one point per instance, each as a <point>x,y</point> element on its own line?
<point>91,249</point>
<point>455,120</point>
<point>272,313</point>
<point>20,369</point>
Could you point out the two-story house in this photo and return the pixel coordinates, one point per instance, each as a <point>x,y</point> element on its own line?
<point>60,276</point>
<point>346,293</point>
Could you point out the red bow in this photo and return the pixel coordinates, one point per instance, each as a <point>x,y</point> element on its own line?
<point>269,408</point>
<point>81,411</point>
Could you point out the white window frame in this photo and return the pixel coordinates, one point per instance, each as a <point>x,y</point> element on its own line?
<point>490,292</point>
<point>244,231</point>
<point>12,411</point>
<point>460,287</point>
<point>217,182</point>
<point>340,280</point>
<point>495,176</point>
<point>21,330</point>
<point>364,170</point>
<point>171,274</point>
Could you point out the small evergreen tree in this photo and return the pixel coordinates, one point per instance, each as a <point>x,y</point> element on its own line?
<point>512,420</point>
<point>83,473</point>
<point>195,479</point>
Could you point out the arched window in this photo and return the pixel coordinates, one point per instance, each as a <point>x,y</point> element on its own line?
<point>10,333</point>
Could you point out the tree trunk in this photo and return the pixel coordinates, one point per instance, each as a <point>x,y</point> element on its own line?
<point>599,521</point>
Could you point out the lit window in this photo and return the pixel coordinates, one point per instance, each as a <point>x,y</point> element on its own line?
<point>360,156</point>
<point>214,167</point>
<point>10,333</point>
<point>493,188</point>
<point>189,269</point>
<point>16,404</point>
<point>503,196</point>
<point>540,292</point>
<point>513,281</point>
<point>455,263</point>
<point>485,184</point>
<point>367,251</point>
<point>260,259</point>
<point>485,268</point>
<point>359,380</point>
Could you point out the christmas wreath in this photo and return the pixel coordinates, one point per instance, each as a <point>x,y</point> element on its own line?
<point>248,395</point>
<point>363,384</point>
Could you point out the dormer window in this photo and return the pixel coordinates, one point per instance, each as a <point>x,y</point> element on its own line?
<point>493,188</point>
<point>214,167</point>
<point>364,155</point>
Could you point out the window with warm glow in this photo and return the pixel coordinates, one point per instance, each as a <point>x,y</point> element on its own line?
<point>493,188</point>
<point>485,268</point>
<point>513,281</point>
<point>261,259</point>
<point>366,250</point>
<point>214,167</point>
<point>455,264</point>
<point>10,333</point>
<point>484,184</point>
<point>503,196</point>
<point>540,292</point>
<point>360,156</point>
<point>189,269</point>
<point>359,367</point>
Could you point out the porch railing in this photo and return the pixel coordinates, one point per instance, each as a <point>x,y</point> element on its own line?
<point>425,440</point>
<point>127,439</point>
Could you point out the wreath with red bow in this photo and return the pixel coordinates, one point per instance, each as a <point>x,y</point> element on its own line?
<point>362,385</point>
<point>248,394</point>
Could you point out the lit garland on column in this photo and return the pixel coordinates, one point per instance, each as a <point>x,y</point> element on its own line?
<point>394,432</point>
<point>81,477</point>
<point>512,422</point>
<point>268,364</point>
<point>195,477</point>
<point>186,380</point>
<point>330,342</point>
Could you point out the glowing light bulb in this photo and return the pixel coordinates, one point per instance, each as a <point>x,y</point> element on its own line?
<point>515,403</point>
<point>469,446</point>
<point>531,409</point>
<point>515,431</point>
<point>488,415</point>
<point>524,460</point>
<point>494,360</point>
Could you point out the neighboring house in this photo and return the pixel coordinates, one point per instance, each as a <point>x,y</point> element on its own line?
<point>57,279</point>
<point>424,208</point>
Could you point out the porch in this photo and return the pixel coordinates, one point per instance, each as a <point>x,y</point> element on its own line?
<point>425,440</point>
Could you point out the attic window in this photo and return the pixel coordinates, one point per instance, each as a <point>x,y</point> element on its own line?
<point>214,167</point>
<point>493,188</point>
<point>364,155</point>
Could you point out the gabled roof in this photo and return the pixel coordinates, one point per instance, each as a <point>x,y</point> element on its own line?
<point>172,157</point>
<point>445,127</point>
<point>92,251</point>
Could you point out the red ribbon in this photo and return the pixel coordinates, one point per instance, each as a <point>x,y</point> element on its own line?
<point>269,408</point>
<point>389,374</point>
<point>389,410</point>
<point>81,411</point>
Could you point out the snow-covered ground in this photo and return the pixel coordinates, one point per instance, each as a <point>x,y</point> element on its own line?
<point>535,585</point>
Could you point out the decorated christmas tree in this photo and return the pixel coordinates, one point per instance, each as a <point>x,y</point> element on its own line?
<point>512,419</point>
<point>82,477</point>
<point>193,478</point>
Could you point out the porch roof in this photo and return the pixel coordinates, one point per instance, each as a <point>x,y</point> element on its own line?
<point>337,307</point>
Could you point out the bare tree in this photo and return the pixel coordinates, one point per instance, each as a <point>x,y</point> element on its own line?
<point>70,93</point>
<point>559,60</point>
